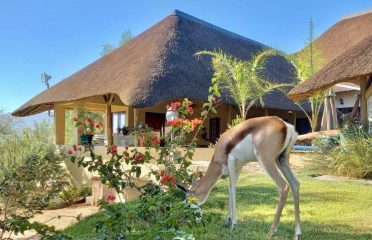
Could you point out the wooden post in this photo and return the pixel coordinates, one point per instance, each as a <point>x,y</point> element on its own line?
<point>135,117</point>
<point>109,98</point>
<point>59,124</point>
<point>130,118</point>
<point>363,103</point>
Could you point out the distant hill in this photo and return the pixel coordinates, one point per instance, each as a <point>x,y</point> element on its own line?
<point>30,120</point>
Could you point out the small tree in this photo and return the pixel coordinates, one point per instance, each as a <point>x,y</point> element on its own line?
<point>245,81</point>
<point>126,36</point>
<point>307,62</point>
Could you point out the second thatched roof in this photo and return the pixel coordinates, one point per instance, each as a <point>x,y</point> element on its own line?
<point>158,65</point>
<point>356,62</point>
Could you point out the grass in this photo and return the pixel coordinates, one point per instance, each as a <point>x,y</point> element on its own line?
<point>329,210</point>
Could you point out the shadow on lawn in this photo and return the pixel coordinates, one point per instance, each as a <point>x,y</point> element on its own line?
<point>254,228</point>
<point>257,230</point>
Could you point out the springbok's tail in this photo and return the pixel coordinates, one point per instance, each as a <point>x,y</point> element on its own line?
<point>290,139</point>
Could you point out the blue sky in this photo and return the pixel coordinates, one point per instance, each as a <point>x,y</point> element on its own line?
<point>61,37</point>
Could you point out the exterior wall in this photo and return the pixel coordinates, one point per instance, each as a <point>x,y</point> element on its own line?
<point>80,175</point>
<point>348,99</point>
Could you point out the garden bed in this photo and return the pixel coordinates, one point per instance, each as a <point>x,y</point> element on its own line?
<point>323,205</point>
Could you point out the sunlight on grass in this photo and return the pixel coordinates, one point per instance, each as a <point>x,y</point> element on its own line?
<point>329,210</point>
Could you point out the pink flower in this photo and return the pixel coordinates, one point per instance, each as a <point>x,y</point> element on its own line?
<point>155,140</point>
<point>173,106</point>
<point>69,152</point>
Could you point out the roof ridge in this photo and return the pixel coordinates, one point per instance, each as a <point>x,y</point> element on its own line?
<point>189,17</point>
<point>357,14</point>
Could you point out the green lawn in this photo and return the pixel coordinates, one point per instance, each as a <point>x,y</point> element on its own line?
<point>329,210</point>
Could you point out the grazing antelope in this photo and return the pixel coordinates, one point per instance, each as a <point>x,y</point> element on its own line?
<point>267,140</point>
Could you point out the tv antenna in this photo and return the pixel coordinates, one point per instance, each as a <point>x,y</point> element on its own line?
<point>45,79</point>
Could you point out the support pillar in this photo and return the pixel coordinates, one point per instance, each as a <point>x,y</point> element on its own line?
<point>109,124</point>
<point>363,103</point>
<point>59,124</point>
<point>109,99</point>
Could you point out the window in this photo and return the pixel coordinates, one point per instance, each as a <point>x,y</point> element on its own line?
<point>214,129</point>
<point>118,121</point>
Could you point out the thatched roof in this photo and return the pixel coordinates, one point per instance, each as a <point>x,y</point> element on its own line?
<point>158,65</point>
<point>345,34</point>
<point>348,67</point>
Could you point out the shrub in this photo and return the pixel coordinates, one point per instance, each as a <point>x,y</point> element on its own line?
<point>160,213</point>
<point>73,193</point>
<point>27,188</point>
<point>160,216</point>
<point>350,155</point>
<point>16,146</point>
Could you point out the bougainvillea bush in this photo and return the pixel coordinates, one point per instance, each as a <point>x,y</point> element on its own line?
<point>162,212</point>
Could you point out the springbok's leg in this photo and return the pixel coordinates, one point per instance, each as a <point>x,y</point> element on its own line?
<point>283,165</point>
<point>283,188</point>
<point>229,208</point>
<point>232,193</point>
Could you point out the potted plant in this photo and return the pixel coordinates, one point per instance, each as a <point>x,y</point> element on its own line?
<point>87,125</point>
<point>125,130</point>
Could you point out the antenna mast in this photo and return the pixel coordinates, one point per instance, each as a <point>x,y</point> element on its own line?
<point>45,79</point>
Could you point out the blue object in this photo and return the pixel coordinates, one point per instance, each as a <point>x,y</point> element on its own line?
<point>305,148</point>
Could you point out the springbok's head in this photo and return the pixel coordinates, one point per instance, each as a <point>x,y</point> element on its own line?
<point>202,186</point>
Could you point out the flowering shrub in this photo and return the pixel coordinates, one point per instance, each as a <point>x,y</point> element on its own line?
<point>86,123</point>
<point>161,211</point>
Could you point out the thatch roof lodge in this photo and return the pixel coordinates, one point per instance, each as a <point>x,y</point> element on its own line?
<point>353,65</point>
<point>159,65</point>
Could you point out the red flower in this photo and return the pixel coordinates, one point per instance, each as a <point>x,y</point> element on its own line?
<point>69,151</point>
<point>168,180</point>
<point>113,149</point>
<point>155,140</point>
<point>75,119</point>
<point>89,120</point>
<point>126,148</point>
<point>175,123</point>
<point>190,110</point>
<point>98,126</point>
<point>111,198</point>
<point>74,147</point>
<point>138,157</point>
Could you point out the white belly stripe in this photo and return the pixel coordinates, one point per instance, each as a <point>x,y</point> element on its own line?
<point>243,152</point>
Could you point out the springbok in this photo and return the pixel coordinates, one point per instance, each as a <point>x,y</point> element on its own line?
<point>267,140</point>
